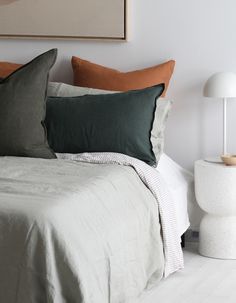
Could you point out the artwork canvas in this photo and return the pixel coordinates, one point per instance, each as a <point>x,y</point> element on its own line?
<point>86,19</point>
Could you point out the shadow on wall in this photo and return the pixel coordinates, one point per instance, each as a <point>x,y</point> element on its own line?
<point>187,119</point>
<point>62,72</point>
<point>6,2</point>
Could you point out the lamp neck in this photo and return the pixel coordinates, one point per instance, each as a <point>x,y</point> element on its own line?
<point>224,126</point>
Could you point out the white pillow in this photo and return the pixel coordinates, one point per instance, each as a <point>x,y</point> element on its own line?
<point>56,89</point>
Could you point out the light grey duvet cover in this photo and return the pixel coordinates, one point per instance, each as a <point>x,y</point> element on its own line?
<point>76,232</point>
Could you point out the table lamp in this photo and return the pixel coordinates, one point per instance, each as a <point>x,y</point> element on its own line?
<point>222,85</point>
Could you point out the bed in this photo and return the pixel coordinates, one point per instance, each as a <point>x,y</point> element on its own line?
<point>85,214</point>
<point>73,231</point>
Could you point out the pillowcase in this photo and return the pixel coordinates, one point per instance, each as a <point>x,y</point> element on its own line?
<point>88,74</point>
<point>56,89</point>
<point>161,113</point>
<point>6,68</point>
<point>120,122</point>
<point>22,109</point>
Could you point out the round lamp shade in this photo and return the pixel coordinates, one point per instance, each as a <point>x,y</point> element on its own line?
<point>221,85</point>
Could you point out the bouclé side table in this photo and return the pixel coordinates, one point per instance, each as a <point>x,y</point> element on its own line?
<point>215,188</point>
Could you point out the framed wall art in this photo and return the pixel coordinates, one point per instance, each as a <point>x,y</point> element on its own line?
<point>73,19</point>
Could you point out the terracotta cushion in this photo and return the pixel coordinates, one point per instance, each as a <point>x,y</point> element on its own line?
<point>6,68</point>
<point>88,74</point>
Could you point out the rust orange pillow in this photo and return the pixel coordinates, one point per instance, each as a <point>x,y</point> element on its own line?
<point>88,74</point>
<point>6,68</point>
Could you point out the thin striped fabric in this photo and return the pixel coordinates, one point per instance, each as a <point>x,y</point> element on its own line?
<point>154,181</point>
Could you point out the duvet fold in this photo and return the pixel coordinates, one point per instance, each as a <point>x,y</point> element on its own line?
<point>76,232</point>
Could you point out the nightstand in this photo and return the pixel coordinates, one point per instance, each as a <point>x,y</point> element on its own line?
<point>215,188</point>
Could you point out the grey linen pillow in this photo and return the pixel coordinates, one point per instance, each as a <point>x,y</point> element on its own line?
<point>22,109</point>
<point>161,113</point>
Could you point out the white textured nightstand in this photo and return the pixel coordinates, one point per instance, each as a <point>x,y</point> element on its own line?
<point>215,187</point>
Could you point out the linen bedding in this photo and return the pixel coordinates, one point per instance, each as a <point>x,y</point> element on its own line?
<point>72,231</point>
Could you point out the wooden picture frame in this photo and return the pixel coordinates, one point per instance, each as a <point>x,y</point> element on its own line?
<point>60,19</point>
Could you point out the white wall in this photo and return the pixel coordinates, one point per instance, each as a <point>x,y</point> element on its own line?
<point>199,35</point>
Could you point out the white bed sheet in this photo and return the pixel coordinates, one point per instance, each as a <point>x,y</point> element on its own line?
<point>180,183</point>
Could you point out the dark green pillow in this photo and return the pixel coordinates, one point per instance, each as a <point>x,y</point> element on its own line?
<point>22,109</point>
<point>120,122</point>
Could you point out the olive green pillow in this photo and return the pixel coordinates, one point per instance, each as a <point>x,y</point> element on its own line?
<point>163,108</point>
<point>22,109</point>
<point>120,122</point>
